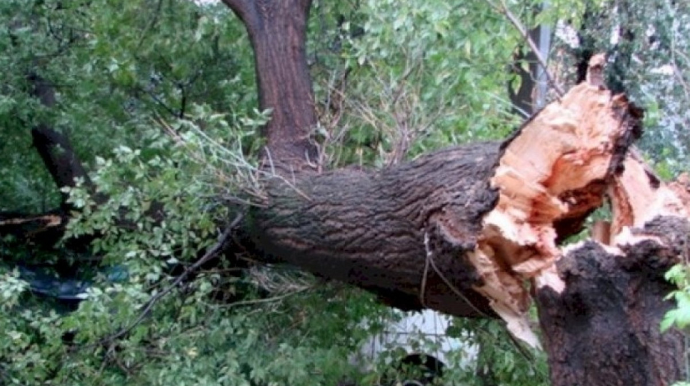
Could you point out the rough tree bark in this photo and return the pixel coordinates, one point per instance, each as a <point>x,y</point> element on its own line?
<point>603,329</point>
<point>377,229</point>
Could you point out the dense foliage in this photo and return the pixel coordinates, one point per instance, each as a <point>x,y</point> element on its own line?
<point>159,101</point>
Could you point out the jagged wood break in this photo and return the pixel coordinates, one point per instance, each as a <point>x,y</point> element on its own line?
<point>604,323</point>
<point>550,177</point>
<point>460,230</point>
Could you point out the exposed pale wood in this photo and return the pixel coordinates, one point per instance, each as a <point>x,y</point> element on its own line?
<point>555,170</point>
<point>45,220</point>
<point>601,232</point>
<point>45,229</point>
<point>638,196</point>
<point>603,327</point>
<point>595,71</point>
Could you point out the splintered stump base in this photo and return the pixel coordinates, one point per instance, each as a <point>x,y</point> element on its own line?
<point>603,328</point>
<point>552,175</point>
<point>600,301</point>
<point>478,231</point>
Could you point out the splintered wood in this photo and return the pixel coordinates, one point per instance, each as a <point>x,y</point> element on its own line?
<point>638,196</point>
<point>556,170</point>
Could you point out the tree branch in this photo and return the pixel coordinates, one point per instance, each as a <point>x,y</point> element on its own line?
<point>525,35</point>
<point>148,306</point>
<point>245,10</point>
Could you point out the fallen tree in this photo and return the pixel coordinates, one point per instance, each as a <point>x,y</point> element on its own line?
<point>477,231</point>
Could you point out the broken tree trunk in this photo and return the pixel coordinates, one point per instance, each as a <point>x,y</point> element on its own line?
<point>476,231</point>
<point>458,230</point>
<point>603,327</point>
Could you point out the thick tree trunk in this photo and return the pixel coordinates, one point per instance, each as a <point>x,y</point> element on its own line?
<point>441,230</point>
<point>379,229</point>
<point>603,329</point>
<point>277,30</point>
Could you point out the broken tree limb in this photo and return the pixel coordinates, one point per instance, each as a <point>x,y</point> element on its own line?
<point>459,230</point>
<point>44,229</point>
<point>66,170</point>
<point>476,231</point>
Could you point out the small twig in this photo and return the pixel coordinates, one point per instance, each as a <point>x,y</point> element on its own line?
<point>183,100</point>
<point>106,359</point>
<point>148,306</point>
<point>676,72</point>
<point>430,260</point>
<point>151,24</point>
<point>264,300</point>
<point>160,102</point>
<point>525,35</point>
<point>425,275</point>
<point>239,164</point>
